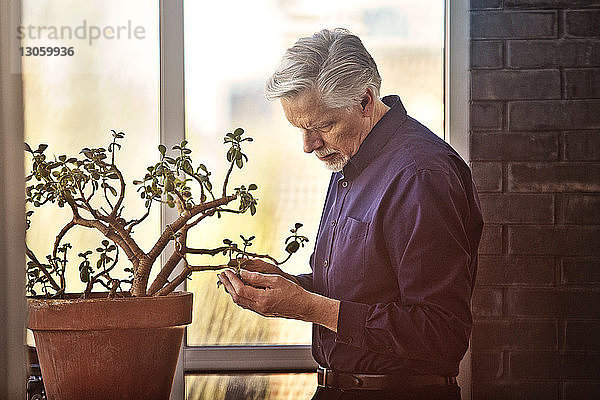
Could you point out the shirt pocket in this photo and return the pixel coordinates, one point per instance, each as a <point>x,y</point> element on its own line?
<point>348,257</point>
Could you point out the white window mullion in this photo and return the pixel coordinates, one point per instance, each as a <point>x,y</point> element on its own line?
<point>456,108</point>
<point>172,124</point>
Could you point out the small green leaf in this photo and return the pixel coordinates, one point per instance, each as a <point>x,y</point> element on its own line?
<point>84,275</point>
<point>252,186</point>
<point>162,149</point>
<point>292,247</point>
<point>238,132</point>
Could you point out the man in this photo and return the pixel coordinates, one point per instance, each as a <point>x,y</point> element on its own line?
<point>395,257</point>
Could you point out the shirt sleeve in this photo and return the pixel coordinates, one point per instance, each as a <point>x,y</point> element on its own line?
<point>425,230</point>
<point>306,281</point>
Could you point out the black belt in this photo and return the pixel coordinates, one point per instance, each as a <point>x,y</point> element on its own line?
<point>346,380</point>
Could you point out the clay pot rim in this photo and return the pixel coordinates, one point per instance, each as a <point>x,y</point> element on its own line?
<point>101,313</point>
<point>98,297</point>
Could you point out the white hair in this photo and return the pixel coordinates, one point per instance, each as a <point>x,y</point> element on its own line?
<point>333,62</point>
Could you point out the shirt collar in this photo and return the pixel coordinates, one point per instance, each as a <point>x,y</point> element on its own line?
<point>377,138</point>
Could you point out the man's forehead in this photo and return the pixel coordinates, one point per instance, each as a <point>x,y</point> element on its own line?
<point>307,110</point>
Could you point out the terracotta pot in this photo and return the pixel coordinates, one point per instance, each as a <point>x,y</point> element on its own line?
<point>100,348</point>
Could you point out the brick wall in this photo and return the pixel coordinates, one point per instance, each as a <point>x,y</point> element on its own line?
<point>535,153</point>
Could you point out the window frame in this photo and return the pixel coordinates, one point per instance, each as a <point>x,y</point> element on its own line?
<point>294,358</point>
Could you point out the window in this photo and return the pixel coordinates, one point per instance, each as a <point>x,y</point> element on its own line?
<point>73,102</point>
<point>137,86</point>
<point>230,50</point>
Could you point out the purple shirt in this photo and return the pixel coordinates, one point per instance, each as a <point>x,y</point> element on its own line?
<point>397,245</point>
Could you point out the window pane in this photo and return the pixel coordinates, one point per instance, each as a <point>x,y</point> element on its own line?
<point>74,101</point>
<point>231,48</point>
<point>250,387</point>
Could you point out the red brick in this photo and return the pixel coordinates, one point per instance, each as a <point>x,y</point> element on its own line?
<point>582,83</point>
<point>551,3</point>
<point>517,208</point>
<point>487,302</point>
<point>582,146</point>
<point>506,335</point>
<point>582,23</point>
<point>553,115</point>
<point>485,4</point>
<point>582,390</point>
<point>582,335</point>
<point>516,270</point>
<point>515,391</point>
<point>514,146</point>
<point>552,303</point>
<point>491,240</point>
<point>553,53</point>
<point>546,365</point>
<point>487,54</point>
<point>515,85</point>
<point>554,240</point>
<point>487,365</point>
<point>511,24</point>
<point>580,271</point>
<point>581,209</point>
<point>487,176</point>
<point>535,365</point>
<point>554,177</point>
<point>486,115</point>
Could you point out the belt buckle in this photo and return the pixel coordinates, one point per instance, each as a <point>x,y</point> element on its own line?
<point>322,377</point>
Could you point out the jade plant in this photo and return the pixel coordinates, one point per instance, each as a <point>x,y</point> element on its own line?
<point>93,188</point>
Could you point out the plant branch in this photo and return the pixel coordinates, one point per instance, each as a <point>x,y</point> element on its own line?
<point>42,268</point>
<point>110,234</point>
<point>226,181</point>
<point>60,235</point>
<point>113,214</point>
<point>96,277</point>
<point>184,274</point>
<point>164,238</point>
<point>135,222</point>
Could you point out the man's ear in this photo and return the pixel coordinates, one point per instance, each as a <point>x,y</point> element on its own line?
<point>368,103</point>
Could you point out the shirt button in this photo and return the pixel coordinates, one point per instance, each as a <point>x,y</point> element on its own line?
<point>344,184</point>
<point>325,263</point>
<point>333,223</point>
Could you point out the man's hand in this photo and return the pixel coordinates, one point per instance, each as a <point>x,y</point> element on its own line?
<point>258,265</point>
<point>273,295</point>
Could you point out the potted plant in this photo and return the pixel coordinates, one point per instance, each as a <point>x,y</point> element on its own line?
<point>123,342</point>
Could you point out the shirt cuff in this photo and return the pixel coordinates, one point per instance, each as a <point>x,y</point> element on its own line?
<point>352,319</point>
<point>306,281</point>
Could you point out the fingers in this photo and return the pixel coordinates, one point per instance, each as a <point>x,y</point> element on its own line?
<point>258,279</point>
<point>242,294</point>
<point>257,265</point>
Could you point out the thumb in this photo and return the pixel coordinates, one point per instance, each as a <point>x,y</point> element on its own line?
<point>256,278</point>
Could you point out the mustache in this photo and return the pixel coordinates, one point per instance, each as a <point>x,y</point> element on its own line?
<point>322,152</point>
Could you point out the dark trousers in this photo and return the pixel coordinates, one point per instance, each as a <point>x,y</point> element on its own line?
<point>438,392</point>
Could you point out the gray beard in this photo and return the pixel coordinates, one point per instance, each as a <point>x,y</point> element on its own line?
<point>337,163</point>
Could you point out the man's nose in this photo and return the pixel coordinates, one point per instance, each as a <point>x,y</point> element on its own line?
<point>311,141</point>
